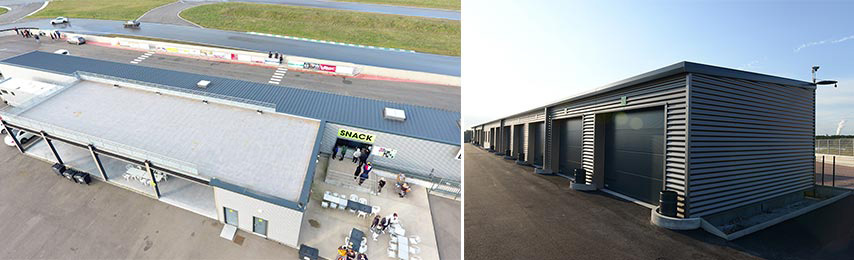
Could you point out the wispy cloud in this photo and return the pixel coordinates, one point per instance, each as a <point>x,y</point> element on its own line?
<point>755,64</point>
<point>811,44</point>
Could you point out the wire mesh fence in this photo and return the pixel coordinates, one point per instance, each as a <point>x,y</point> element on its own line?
<point>837,146</point>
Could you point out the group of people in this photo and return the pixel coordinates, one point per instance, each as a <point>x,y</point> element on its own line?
<point>364,168</point>
<point>346,252</point>
<point>380,225</point>
<point>403,187</point>
<point>26,33</point>
<point>276,55</point>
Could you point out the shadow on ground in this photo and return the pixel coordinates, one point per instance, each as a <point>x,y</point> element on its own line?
<point>511,213</point>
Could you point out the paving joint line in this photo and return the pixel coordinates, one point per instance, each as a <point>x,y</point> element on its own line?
<point>329,42</point>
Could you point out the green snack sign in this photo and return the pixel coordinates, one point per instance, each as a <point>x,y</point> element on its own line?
<point>353,135</point>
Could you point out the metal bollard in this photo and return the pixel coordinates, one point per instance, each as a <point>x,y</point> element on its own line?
<point>822,170</point>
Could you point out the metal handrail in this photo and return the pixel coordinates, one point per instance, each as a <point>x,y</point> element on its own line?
<point>103,144</point>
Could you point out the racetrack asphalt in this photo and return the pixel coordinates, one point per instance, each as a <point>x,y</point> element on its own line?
<point>512,213</point>
<point>18,11</point>
<point>423,62</point>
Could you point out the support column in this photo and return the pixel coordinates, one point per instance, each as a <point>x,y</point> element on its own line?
<point>499,136</point>
<point>509,151</point>
<point>98,162</point>
<point>548,145</point>
<point>52,148</point>
<point>153,180</point>
<point>14,137</point>
<point>529,153</point>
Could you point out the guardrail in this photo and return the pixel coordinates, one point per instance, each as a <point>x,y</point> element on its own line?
<point>438,184</point>
<point>103,144</point>
<point>223,99</point>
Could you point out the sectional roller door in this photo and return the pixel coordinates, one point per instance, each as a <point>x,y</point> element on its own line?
<point>634,153</point>
<point>571,145</point>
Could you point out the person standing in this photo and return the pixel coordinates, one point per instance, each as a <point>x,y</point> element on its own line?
<point>37,38</point>
<point>380,185</point>
<point>334,152</point>
<point>375,223</point>
<point>357,155</point>
<point>270,54</point>
<point>357,173</point>
<point>364,157</point>
<point>343,152</point>
<point>364,176</point>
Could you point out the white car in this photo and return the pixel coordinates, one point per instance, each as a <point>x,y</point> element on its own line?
<point>23,137</point>
<point>59,20</point>
<point>63,52</point>
<point>76,40</point>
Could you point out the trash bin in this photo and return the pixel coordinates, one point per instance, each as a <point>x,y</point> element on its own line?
<point>69,174</point>
<point>579,176</point>
<point>308,253</point>
<point>667,202</point>
<point>58,169</point>
<point>82,177</point>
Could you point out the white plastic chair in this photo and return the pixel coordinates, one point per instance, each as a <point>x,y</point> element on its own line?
<point>375,210</point>
<point>392,252</point>
<point>414,257</point>
<point>392,246</point>
<point>347,240</point>
<point>342,206</point>
<point>363,214</point>
<point>327,193</point>
<point>414,250</point>
<point>324,204</point>
<point>414,239</point>
<point>363,201</point>
<point>332,205</point>
<point>354,197</point>
<point>335,194</point>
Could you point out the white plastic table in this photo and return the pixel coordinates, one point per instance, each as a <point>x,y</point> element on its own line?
<point>334,199</point>
<point>403,247</point>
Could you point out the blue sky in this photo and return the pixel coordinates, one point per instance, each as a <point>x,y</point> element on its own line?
<point>538,51</point>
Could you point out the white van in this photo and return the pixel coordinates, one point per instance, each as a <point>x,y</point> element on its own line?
<point>23,137</point>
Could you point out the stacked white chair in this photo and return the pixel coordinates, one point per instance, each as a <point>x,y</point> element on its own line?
<point>414,250</point>
<point>414,240</point>
<point>391,252</point>
<point>324,204</point>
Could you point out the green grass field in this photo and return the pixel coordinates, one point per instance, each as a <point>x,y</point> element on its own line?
<point>3,11</point>
<point>99,9</point>
<point>440,4</point>
<point>429,35</point>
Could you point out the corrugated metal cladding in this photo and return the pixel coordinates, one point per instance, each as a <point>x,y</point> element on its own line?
<point>749,141</point>
<point>422,122</point>
<point>413,155</point>
<point>731,138</point>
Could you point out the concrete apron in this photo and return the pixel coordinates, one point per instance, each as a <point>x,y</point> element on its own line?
<point>750,230</point>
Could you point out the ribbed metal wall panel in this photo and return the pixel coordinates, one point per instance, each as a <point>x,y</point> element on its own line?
<point>749,141</point>
<point>669,91</point>
<point>589,122</point>
<point>413,155</point>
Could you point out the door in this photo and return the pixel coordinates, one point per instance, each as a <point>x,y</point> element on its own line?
<point>230,216</point>
<point>571,142</point>
<point>259,226</point>
<point>634,153</point>
<point>539,133</point>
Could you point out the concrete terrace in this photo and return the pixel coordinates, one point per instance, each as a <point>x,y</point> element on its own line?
<point>267,153</point>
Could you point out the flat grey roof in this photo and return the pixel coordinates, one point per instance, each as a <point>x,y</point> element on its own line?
<point>269,153</point>
<point>678,68</point>
<point>421,122</point>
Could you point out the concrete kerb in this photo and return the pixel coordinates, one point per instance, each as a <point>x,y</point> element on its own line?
<point>36,11</point>
<point>673,223</point>
<point>366,72</point>
<point>330,42</point>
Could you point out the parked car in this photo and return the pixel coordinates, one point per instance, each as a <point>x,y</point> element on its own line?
<point>76,40</point>
<point>59,20</point>
<point>63,52</point>
<point>132,24</point>
<point>23,137</point>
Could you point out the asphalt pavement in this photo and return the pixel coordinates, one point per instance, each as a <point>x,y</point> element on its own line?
<point>18,10</point>
<point>168,13</point>
<point>424,62</point>
<point>435,96</point>
<point>512,213</point>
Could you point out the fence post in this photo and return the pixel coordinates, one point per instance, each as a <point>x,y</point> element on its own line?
<point>822,170</point>
<point>833,179</point>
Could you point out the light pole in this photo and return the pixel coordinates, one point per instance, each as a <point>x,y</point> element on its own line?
<point>823,82</point>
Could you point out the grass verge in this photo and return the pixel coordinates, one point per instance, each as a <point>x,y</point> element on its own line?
<point>99,9</point>
<point>3,11</point>
<point>420,34</point>
<point>440,4</point>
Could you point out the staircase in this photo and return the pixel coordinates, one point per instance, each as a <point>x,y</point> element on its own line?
<point>340,173</point>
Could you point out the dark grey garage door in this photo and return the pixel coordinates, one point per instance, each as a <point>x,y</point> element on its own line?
<point>571,142</point>
<point>539,132</point>
<point>634,153</point>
